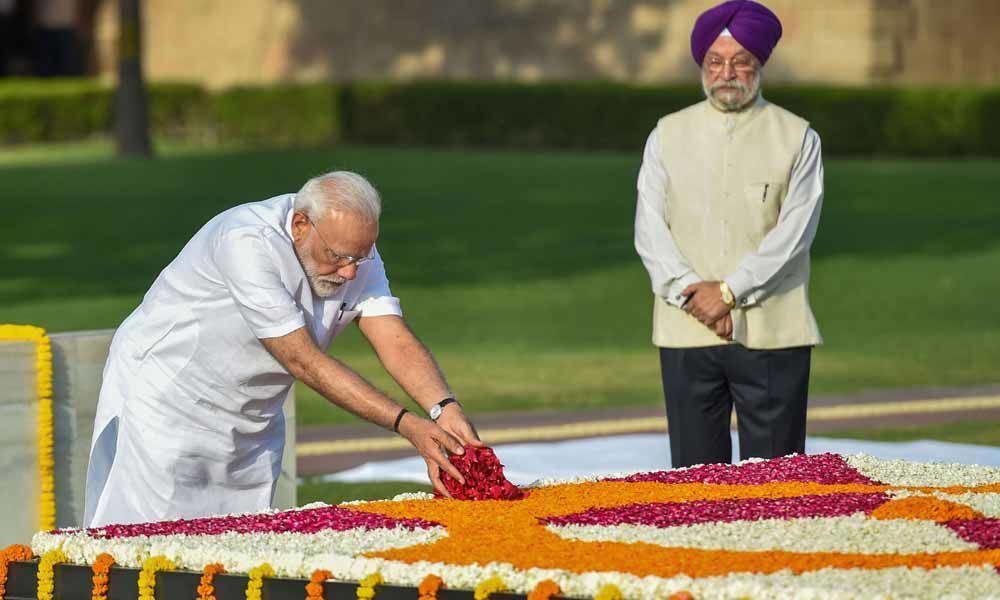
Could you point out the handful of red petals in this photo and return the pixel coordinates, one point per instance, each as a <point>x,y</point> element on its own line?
<point>483,475</point>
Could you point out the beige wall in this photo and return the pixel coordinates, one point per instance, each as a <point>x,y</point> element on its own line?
<point>225,42</point>
<point>930,41</point>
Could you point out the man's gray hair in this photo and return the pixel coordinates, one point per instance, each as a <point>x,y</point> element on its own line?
<point>342,191</point>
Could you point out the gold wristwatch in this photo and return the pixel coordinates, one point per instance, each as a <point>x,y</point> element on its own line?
<point>727,294</point>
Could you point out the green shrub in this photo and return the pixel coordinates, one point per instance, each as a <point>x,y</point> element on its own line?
<point>47,110</point>
<point>279,114</point>
<point>933,122</point>
<point>989,107</point>
<point>52,110</point>
<point>180,111</point>
<point>851,121</point>
<point>565,115</point>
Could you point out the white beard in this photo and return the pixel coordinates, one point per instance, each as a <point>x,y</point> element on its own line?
<point>323,286</point>
<point>747,94</point>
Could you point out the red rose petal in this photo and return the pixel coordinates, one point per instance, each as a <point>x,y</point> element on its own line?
<point>484,478</point>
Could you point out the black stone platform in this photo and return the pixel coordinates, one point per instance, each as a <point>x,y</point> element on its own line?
<point>73,582</point>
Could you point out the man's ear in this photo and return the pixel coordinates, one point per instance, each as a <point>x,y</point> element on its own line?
<point>300,223</point>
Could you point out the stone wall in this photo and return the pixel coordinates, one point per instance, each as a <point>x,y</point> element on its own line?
<point>220,42</point>
<point>930,41</point>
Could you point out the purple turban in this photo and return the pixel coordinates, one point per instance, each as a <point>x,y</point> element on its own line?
<point>753,25</point>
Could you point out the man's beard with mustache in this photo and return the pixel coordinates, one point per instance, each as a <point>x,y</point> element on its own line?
<point>323,286</point>
<point>747,94</point>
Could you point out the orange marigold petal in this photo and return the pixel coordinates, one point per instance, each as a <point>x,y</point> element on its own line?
<point>544,590</point>
<point>925,508</point>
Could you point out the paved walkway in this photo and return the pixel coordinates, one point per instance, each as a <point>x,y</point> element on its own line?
<point>328,449</point>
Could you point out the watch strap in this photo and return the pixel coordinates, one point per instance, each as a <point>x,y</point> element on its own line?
<point>435,410</point>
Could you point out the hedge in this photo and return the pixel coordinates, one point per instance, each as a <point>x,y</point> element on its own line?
<point>569,115</point>
<point>280,114</point>
<point>851,121</point>
<point>33,110</point>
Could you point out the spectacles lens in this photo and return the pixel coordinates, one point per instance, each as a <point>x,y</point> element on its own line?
<point>345,261</point>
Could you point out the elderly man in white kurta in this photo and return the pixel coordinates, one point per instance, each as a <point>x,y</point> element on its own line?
<point>189,421</point>
<point>730,191</point>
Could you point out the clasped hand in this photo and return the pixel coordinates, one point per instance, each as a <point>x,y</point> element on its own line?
<point>704,302</point>
<point>434,441</point>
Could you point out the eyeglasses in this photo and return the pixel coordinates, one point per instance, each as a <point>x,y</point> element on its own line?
<point>740,64</point>
<point>340,260</point>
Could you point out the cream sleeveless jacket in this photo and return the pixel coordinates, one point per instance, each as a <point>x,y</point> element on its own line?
<point>729,174</point>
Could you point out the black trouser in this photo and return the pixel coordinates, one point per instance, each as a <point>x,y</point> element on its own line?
<point>768,387</point>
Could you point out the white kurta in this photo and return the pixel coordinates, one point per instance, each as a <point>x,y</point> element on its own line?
<point>189,421</point>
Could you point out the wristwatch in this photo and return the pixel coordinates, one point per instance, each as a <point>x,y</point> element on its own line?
<point>727,294</point>
<point>435,411</point>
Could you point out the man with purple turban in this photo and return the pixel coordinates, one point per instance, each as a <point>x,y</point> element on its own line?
<point>730,191</point>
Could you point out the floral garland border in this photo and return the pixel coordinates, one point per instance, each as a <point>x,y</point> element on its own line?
<point>367,585</point>
<point>46,573</point>
<point>206,585</point>
<point>101,572</point>
<point>255,580</point>
<point>314,589</point>
<point>147,576</point>
<point>46,441</point>
<point>7,556</point>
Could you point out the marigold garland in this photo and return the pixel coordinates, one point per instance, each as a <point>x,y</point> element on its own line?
<point>46,573</point>
<point>366,587</point>
<point>147,576</point>
<point>428,588</point>
<point>10,554</point>
<point>609,592</point>
<point>43,386</point>
<point>101,568</point>
<point>544,590</point>
<point>206,585</point>
<point>256,583</point>
<point>488,587</point>
<point>681,595</point>
<point>314,589</point>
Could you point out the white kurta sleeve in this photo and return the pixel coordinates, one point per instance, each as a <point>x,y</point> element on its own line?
<point>792,235</point>
<point>669,272</point>
<point>250,272</point>
<point>376,299</point>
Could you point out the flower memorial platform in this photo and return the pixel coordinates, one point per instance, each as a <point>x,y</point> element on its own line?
<point>804,526</point>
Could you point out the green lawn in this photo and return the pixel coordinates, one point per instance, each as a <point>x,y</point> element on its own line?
<point>517,268</point>
<point>983,433</point>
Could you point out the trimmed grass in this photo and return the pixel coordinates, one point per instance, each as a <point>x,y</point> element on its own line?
<point>517,268</point>
<point>983,433</point>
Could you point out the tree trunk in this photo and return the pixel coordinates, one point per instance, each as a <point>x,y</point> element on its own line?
<point>131,111</point>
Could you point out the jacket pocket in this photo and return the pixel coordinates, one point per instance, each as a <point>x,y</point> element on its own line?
<point>764,203</point>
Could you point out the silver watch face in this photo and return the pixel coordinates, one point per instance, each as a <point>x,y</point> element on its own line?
<point>435,412</point>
